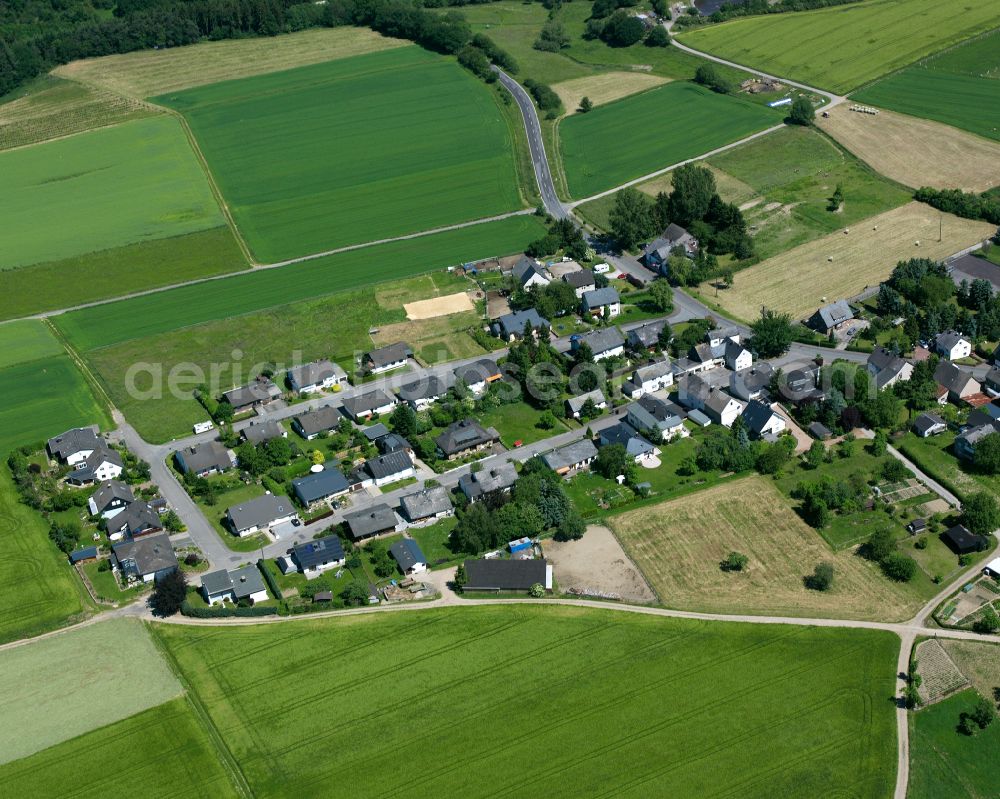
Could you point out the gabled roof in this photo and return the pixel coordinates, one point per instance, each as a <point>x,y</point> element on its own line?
<point>112,490</point>
<point>312,374</point>
<point>723,333</point>
<point>463,435</point>
<point>85,553</point>
<point>426,502</point>
<point>205,456</point>
<point>374,432</point>
<point>85,470</point>
<point>483,369</point>
<point>598,298</point>
<point>393,442</point>
<point>366,403</point>
<point>954,378</point>
<point>653,371</point>
<point>580,278</point>
<point>570,455</point>
<point>136,519</point>
<point>260,432</point>
<point>962,538</point>
<point>391,353</point>
<point>719,400</point>
<point>320,485</point>
<point>79,439</point>
<point>512,324</point>
<point>525,268</point>
<point>660,410</point>
<point>315,553</point>
<point>576,404</point>
<point>948,339</point>
<point>504,575</point>
<point>373,520</point>
<point>705,352</point>
<point>602,340</point>
<point>261,389</point>
<point>829,316</point>
<point>388,465</point>
<point>757,416</point>
<point>319,420</point>
<point>490,478</point>
<point>623,433</point>
<point>407,553</point>
<point>732,350</point>
<point>243,582</point>
<point>648,334</point>
<point>151,553</point>
<point>260,511</point>
<point>926,421</point>
<point>423,388</point>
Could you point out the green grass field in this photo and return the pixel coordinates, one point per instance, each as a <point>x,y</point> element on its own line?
<point>192,305</point>
<point>26,340</point>
<point>960,87</point>
<point>353,150</point>
<point>800,169</point>
<point>592,703</point>
<point>843,47</point>
<point>168,753</point>
<point>945,763</point>
<point>937,457</point>
<point>101,189</point>
<point>631,137</point>
<point>79,680</point>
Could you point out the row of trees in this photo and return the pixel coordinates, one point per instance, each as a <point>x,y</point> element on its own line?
<point>962,203</point>
<point>745,8</point>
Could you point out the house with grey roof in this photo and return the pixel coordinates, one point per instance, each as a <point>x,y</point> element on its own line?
<point>102,464</point>
<point>959,382</point>
<point>722,408</point>
<point>574,405</point>
<point>408,556</point>
<point>478,376</point>
<point>646,336</point>
<point>637,446</point>
<point>388,468</point>
<point>653,377</point>
<point>311,424</point>
<point>992,381</point>
<point>512,326</point>
<point>259,391</point>
<point>260,514</point>
<point>372,403</point>
<point>209,457</point>
<point>752,383</point>
<point>952,345</point>
<point>316,376</point>
<point>656,419</point>
<point>762,420</point>
<point>423,392</point>
<point>582,281</point>
<point>929,424</point>
<point>110,499</point>
<point>465,437</point>
<point>320,486</point>
<point>394,442</point>
<point>244,584</point>
<point>657,253</point>
<point>314,557</point>
<point>426,505</point>
<point>887,367</point>
<point>966,443</point>
<point>571,457</point>
<point>707,356</point>
<point>528,272</point>
<point>147,559</point>
<point>720,335</point>
<point>262,432</point>
<point>492,477</point>
<point>605,342</point>
<point>74,445</point>
<point>831,317</point>
<point>387,358</point>
<point>372,521</point>
<point>602,302</point>
<point>135,521</point>
<point>736,356</point>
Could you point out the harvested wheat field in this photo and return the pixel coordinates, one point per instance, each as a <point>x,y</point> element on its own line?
<point>147,73</point>
<point>678,546</point>
<point>604,88</point>
<point>916,152</point>
<point>841,264</point>
<point>979,662</point>
<point>439,306</point>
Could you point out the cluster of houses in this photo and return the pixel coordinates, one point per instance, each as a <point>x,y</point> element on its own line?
<point>140,547</point>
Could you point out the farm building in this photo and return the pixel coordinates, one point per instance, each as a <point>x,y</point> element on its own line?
<point>507,575</point>
<point>260,513</point>
<point>310,424</point>
<point>148,559</point>
<point>409,556</point>
<point>465,438</point>
<point>385,359</point>
<point>373,521</point>
<point>239,585</point>
<point>426,505</point>
<point>963,541</point>
<point>257,392</point>
<point>204,459</point>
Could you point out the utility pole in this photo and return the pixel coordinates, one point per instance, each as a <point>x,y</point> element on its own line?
<point>940,225</point>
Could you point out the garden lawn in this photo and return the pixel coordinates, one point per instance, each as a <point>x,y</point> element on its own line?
<point>935,456</point>
<point>943,762</point>
<point>169,753</point>
<point>433,542</point>
<point>518,422</point>
<point>640,134</point>
<point>104,188</point>
<point>353,150</point>
<point>960,87</point>
<point>79,680</point>
<point>743,708</point>
<point>842,47</point>
<point>242,294</point>
<point>106,585</point>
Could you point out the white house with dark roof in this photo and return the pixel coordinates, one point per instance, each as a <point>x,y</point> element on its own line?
<point>423,392</point>
<point>657,253</point>
<point>426,505</point>
<point>408,556</point>
<point>74,445</point>
<point>528,272</point>
<point>244,584</point>
<point>465,437</point>
<point>102,464</point>
<point>110,499</point>
<point>135,521</point>
<point>148,559</point>
<point>511,326</point>
<point>492,477</point>
<point>952,345</point>
<point>571,457</point>
<point>373,403</point>
<point>736,356</point>
<point>314,557</point>
<point>602,302</point>
<point>762,420</point>
<point>320,486</point>
<point>582,281</point>
<point>604,343</point>
<point>209,457</point>
<point>478,376</point>
<point>387,358</point>
<point>373,521</point>
<point>637,446</point>
<point>316,376</point>
<point>722,408</point>
<point>656,418</point>
<point>831,317</point>
<point>388,468</point>
<point>260,513</point>
<point>888,368</point>
<point>574,405</point>
<point>646,336</point>
<point>311,424</point>
<point>262,432</point>
<point>929,424</point>
<point>650,378</point>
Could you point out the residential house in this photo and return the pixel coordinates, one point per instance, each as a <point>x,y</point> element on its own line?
<point>646,336</point>
<point>992,381</point>
<point>528,272</point>
<point>952,345</point>
<point>657,253</point>
<point>963,541</point>
<point>718,336</point>
<point>149,559</point>
<point>102,464</point>
<point>311,424</point>
<point>602,302</point>
<point>110,499</point>
<point>752,383</point>
<point>656,419</point>
<point>478,376</point>
<point>581,281</point>
<point>958,381</point>
<point>373,521</point>
<point>465,438</point>
<point>762,420</point>
<point>262,432</point>
<point>373,403</point>
<point>692,391</point>
<point>137,520</point>
<point>965,443</point>
<point>316,376</point>
<point>259,391</point>
<point>831,318</point>
<point>512,326</point>
<point>260,513</point>
<point>210,457</point>
<point>636,445</point>
<point>320,486</point>
<point>420,394</point>
<point>374,432</point>
<point>409,557</point>
<point>239,585</point>
<point>74,445</point>
<point>988,413</point>
<point>723,409</point>
<point>574,405</point>
<point>888,368</point>
<point>736,357</point>
<point>507,575</point>
<point>385,359</point>
<point>426,505</point>
<point>383,470</point>
<point>604,343</point>
<point>493,477</point>
<point>571,457</point>
<point>393,442</point>
<point>653,377</point>
<point>313,558</point>
<point>929,424</point>
<point>802,385</point>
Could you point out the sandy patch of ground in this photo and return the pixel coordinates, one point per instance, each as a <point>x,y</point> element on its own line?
<point>841,265</point>
<point>935,506</point>
<point>439,306</point>
<point>916,152</point>
<point>604,88</point>
<point>597,563</point>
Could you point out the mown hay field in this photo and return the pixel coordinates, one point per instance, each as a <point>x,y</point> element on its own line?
<point>631,137</point>
<point>916,152</point>
<point>960,87</point>
<point>604,87</point>
<point>678,546</point>
<point>169,754</point>
<point>353,150</point>
<point>68,684</point>
<point>979,662</point>
<point>150,72</point>
<point>841,48</point>
<point>101,189</point>
<point>842,265</point>
<point>584,702</point>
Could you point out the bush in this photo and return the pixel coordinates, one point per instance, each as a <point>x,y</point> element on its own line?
<point>899,567</point>
<point>169,594</point>
<point>734,562</point>
<point>821,579</point>
<point>269,579</point>
<point>187,609</point>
